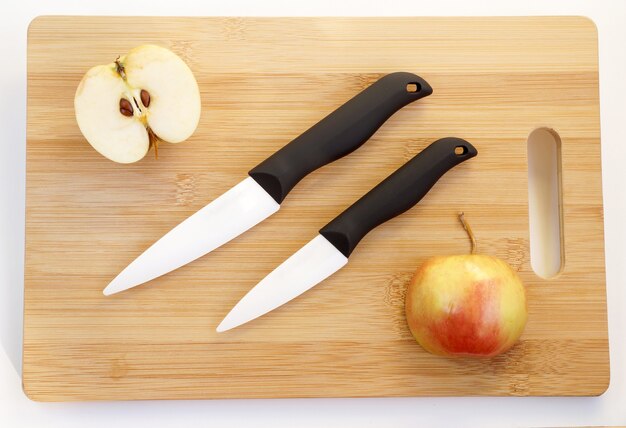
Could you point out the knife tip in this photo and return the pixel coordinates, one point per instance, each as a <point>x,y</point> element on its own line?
<point>120,283</point>
<point>228,323</point>
<point>112,288</point>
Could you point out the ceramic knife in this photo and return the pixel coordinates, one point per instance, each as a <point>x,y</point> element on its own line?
<point>261,193</point>
<point>329,250</point>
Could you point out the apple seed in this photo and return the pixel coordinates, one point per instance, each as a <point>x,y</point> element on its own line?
<point>145,98</point>
<point>126,108</point>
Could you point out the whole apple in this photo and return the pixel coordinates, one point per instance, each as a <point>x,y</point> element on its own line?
<point>471,305</point>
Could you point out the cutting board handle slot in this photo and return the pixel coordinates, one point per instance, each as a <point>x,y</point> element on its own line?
<point>545,202</point>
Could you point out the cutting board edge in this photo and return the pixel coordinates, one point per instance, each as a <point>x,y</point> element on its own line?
<point>35,22</point>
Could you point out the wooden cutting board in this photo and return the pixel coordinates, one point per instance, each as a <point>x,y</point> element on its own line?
<point>263,82</point>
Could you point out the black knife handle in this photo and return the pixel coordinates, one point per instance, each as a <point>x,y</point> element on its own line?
<point>339,133</point>
<point>396,193</point>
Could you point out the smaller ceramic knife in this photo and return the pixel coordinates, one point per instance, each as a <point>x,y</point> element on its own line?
<point>329,251</point>
<point>260,194</point>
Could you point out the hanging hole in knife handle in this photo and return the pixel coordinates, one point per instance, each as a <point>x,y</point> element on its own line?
<point>460,150</point>
<point>413,87</point>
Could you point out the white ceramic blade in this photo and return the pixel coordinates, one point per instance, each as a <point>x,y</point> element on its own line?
<point>231,214</point>
<point>309,266</point>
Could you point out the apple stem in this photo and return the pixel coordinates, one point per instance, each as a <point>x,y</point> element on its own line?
<point>154,141</point>
<point>120,68</point>
<point>468,229</point>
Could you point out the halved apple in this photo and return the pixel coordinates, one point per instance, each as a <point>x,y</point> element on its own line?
<point>125,107</point>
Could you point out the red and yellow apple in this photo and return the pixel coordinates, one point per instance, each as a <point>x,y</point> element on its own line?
<point>469,305</point>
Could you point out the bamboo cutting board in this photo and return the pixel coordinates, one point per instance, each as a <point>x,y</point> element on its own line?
<point>263,82</point>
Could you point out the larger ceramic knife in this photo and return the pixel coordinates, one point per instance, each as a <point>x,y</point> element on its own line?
<point>329,251</point>
<point>260,195</point>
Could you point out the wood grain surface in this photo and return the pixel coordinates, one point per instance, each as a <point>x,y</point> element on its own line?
<point>263,82</point>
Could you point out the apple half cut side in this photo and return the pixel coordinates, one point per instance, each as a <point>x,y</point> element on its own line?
<point>147,96</point>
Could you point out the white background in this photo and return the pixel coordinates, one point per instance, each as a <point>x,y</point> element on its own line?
<point>17,410</point>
